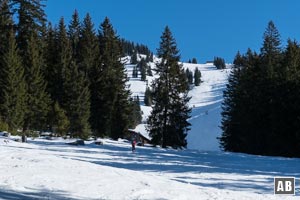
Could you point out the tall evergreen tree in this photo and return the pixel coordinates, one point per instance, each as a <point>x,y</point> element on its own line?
<point>168,123</point>
<point>136,116</point>
<point>189,76</point>
<point>38,100</point>
<point>148,97</point>
<point>134,59</point>
<point>6,26</point>
<point>14,87</point>
<point>60,123</point>
<point>74,34</point>
<point>271,51</point>
<point>56,69</point>
<point>197,77</point>
<point>32,18</point>
<point>88,55</point>
<point>142,66</point>
<point>76,101</point>
<point>111,103</point>
<point>292,60</point>
<point>194,61</point>
<point>219,63</point>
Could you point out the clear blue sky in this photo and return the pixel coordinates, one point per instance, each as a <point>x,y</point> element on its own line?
<point>202,28</point>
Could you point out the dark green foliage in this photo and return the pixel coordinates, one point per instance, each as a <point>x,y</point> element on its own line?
<point>130,48</point>
<point>6,26</point>
<point>74,34</point>
<point>149,70</point>
<point>260,114</point>
<point>142,66</point>
<point>31,21</point>
<point>88,53</point>
<point>271,50</point>
<point>13,104</point>
<point>60,123</point>
<point>219,63</point>
<point>189,76</point>
<point>167,123</point>
<point>148,97</point>
<point>80,71</point>
<point>76,101</point>
<point>58,58</point>
<point>197,77</point>
<point>194,61</point>
<point>136,116</point>
<point>38,100</point>
<point>135,72</point>
<point>111,105</point>
<point>134,60</point>
<point>239,60</point>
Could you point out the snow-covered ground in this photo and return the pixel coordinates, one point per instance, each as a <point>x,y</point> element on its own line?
<point>43,169</point>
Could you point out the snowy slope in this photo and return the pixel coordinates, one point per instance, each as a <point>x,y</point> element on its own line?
<point>52,170</point>
<point>205,102</point>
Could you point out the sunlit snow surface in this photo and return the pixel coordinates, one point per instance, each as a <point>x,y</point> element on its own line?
<point>43,169</point>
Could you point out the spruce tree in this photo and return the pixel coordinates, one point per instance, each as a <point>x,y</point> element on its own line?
<point>189,76</point>
<point>74,34</point>
<point>76,101</point>
<point>271,50</point>
<point>134,59</point>
<point>194,61</point>
<point>38,100</point>
<point>111,103</point>
<point>168,123</point>
<point>219,63</point>
<point>6,26</point>
<point>149,70</point>
<point>136,116</point>
<point>142,66</point>
<point>148,97</point>
<point>88,55</point>
<point>14,86</point>
<point>56,69</point>
<point>51,59</point>
<point>292,60</point>
<point>60,123</point>
<point>197,77</point>
<point>32,18</point>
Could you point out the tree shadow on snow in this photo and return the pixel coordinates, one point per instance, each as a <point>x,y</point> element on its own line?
<point>6,194</point>
<point>188,166</point>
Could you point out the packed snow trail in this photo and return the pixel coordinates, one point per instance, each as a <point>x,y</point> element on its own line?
<point>45,169</point>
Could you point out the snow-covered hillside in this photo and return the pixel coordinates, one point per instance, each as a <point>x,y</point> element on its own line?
<point>205,102</point>
<point>53,170</point>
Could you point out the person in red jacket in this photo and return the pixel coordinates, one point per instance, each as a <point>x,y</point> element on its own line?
<point>133,142</point>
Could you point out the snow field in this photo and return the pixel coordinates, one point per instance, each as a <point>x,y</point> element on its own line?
<point>45,169</point>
